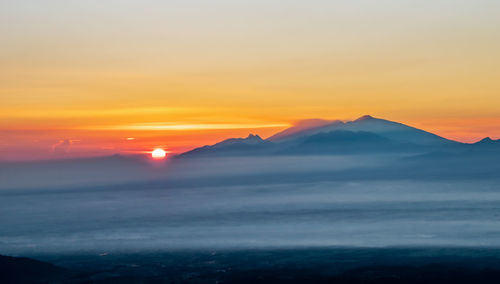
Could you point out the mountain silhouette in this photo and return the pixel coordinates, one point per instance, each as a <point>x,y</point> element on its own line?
<point>252,144</point>
<point>316,136</point>
<point>389,129</point>
<point>486,142</point>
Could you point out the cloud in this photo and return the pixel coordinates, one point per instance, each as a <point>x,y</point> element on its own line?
<point>62,146</point>
<point>172,126</point>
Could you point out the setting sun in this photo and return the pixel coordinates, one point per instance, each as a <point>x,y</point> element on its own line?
<point>158,154</point>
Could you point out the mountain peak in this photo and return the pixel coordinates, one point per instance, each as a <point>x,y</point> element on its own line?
<point>365,117</point>
<point>253,137</point>
<point>486,140</point>
<point>233,146</point>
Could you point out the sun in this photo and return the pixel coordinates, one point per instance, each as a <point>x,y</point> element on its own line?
<point>158,154</point>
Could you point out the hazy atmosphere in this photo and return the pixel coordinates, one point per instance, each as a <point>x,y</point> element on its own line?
<point>248,208</point>
<point>249,141</point>
<point>405,188</point>
<point>181,74</point>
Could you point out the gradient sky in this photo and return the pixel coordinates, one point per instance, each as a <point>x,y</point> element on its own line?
<point>78,78</point>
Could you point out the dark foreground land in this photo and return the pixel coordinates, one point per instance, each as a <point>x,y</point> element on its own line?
<point>339,265</point>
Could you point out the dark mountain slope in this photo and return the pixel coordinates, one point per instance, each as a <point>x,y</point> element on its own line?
<point>26,270</point>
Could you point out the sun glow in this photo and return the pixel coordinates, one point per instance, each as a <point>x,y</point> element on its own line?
<point>158,154</point>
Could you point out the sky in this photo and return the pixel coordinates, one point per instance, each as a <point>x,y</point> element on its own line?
<point>86,78</point>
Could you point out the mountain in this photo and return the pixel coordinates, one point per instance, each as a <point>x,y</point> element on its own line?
<point>395,131</point>
<point>488,142</point>
<point>316,136</point>
<point>252,144</point>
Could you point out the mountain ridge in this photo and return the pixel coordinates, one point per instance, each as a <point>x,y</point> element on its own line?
<point>368,123</point>
<point>364,134</point>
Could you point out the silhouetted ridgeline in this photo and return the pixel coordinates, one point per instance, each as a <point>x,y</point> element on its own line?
<point>363,135</point>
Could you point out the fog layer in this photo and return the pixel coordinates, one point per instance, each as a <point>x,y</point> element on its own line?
<point>128,205</point>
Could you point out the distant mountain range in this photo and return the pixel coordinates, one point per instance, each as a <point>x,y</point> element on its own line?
<point>363,135</point>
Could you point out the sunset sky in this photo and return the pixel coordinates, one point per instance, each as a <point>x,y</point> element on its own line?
<point>97,77</point>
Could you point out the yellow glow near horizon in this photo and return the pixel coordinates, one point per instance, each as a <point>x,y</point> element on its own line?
<point>171,126</point>
<point>196,72</point>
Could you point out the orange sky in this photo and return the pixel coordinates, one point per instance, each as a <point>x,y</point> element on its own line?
<point>79,77</point>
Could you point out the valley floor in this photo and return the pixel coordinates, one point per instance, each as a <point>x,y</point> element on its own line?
<point>301,265</point>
